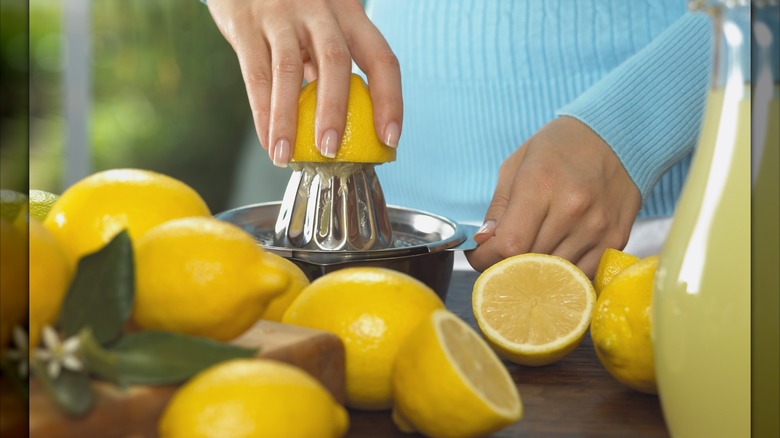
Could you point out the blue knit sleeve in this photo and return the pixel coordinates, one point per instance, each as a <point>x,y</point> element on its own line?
<point>649,108</point>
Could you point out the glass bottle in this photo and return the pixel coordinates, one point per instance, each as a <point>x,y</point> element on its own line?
<point>701,302</point>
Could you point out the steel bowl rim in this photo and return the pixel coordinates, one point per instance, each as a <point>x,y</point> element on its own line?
<point>322,257</point>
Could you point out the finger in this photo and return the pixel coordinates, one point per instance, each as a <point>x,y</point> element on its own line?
<point>255,62</point>
<point>309,67</point>
<point>287,68</point>
<point>550,236</point>
<point>574,248</point>
<point>570,219</point>
<point>515,230</point>
<point>375,57</point>
<point>334,65</point>
<point>589,262</point>
<point>498,204</point>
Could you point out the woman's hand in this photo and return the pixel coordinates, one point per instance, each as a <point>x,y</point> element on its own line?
<point>279,42</point>
<point>563,192</point>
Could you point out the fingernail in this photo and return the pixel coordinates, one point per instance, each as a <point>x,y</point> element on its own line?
<point>485,231</point>
<point>392,132</point>
<point>281,156</point>
<point>329,143</point>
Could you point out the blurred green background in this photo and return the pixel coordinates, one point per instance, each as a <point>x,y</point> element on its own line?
<point>166,95</point>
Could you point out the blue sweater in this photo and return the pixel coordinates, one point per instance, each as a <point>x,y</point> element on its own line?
<point>481,76</point>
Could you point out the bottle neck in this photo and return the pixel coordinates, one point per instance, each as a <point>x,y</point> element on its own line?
<point>731,41</point>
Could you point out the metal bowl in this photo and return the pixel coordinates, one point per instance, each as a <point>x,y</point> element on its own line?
<point>423,244</point>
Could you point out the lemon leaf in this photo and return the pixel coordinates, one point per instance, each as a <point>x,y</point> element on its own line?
<point>157,358</point>
<point>102,291</point>
<point>71,391</point>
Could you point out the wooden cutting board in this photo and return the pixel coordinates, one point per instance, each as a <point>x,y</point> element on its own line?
<point>133,413</point>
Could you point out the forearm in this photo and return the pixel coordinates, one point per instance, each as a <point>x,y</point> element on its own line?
<point>649,108</point>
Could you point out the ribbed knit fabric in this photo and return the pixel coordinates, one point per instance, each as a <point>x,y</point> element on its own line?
<point>646,109</point>
<point>481,76</point>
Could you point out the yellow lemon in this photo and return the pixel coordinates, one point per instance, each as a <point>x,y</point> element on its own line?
<point>447,382</point>
<point>41,202</point>
<point>12,203</point>
<point>50,276</point>
<point>372,310</point>
<point>13,277</point>
<point>202,276</point>
<point>298,281</point>
<point>92,211</point>
<point>253,398</point>
<point>534,309</point>
<point>611,263</point>
<point>621,326</point>
<point>359,144</point>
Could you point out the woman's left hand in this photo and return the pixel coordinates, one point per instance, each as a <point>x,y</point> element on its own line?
<point>563,192</point>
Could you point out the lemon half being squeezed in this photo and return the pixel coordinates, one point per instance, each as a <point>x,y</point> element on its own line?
<point>359,144</point>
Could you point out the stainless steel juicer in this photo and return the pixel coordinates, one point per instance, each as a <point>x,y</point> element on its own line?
<point>333,207</point>
<point>335,215</point>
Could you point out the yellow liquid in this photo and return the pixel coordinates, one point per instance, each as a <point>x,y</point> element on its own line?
<point>766,278</point>
<point>701,303</point>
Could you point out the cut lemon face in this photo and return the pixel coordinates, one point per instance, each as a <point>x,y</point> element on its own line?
<point>611,263</point>
<point>447,382</point>
<point>534,309</point>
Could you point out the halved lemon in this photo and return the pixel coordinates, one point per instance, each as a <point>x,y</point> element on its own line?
<point>447,382</point>
<point>534,309</point>
<point>359,143</point>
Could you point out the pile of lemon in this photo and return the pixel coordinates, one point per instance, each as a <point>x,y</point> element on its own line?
<point>535,309</point>
<point>195,275</point>
<point>404,351</point>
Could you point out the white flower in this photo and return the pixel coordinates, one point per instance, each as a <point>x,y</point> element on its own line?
<point>59,354</point>
<point>20,352</point>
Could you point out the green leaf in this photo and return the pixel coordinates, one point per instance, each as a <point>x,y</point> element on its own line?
<point>71,391</point>
<point>156,358</point>
<point>101,294</point>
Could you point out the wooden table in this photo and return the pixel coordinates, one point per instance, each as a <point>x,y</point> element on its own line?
<point>574,397</point>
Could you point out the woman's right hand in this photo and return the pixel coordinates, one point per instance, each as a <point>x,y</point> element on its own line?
<point>281,42</point>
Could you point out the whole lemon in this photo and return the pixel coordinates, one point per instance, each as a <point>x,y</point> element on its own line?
<point>92,211</point>
<point>372,310</point>
<point>50,276</point>
<point>359,144</point>
<point>298,281</point>
<point>13,277</point>
<point>620,328</point>
<point>12,204</point>
<point>612,261</point>
<point>245,398</point>
<point>204,277</point>
<point>41,202</point>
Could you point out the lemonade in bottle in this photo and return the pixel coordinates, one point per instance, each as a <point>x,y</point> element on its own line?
<point>702,298</point>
